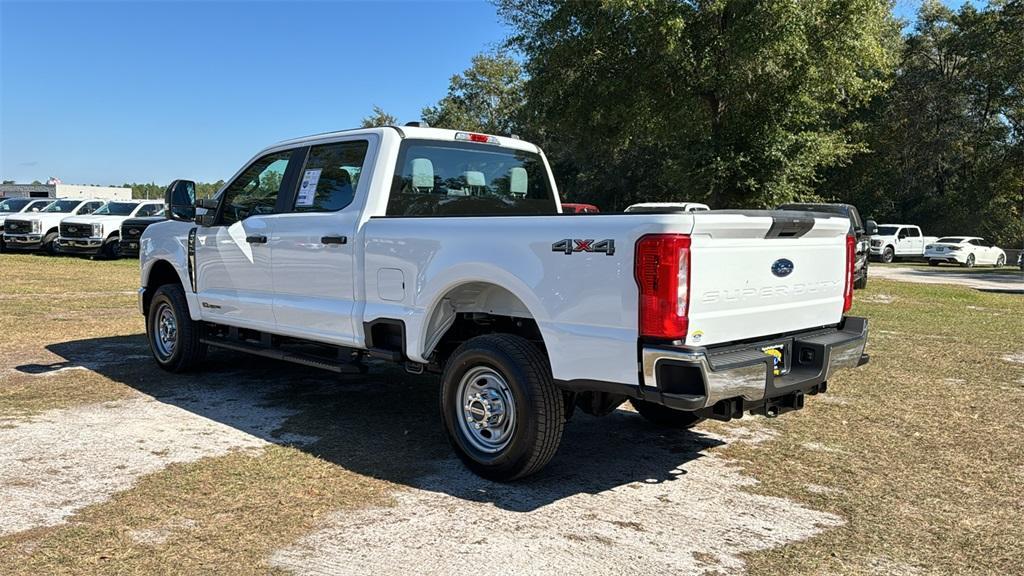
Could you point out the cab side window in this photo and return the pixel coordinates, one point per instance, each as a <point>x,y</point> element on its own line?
<point>89,208</point>
<point>255,190</point>
<point>330,177</point>
<point>149,210</point>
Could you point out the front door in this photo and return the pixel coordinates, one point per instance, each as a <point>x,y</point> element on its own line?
<point>314,243</point>
<point>233,256</point>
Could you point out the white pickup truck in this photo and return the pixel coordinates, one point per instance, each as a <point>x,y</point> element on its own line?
<point>39,230</point>
<point>893,241</point>
<point>446,251</point>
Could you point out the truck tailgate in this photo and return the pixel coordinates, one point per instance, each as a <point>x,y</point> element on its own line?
<point>751,280</point>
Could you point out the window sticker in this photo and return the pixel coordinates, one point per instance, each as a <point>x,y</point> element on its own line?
<point>307,191</point>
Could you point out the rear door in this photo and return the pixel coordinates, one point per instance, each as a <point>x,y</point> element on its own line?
<point>754,276</point>
<point>233,256</point>
<point>314,242</point>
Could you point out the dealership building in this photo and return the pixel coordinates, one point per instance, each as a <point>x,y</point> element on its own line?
<point>61,190</point>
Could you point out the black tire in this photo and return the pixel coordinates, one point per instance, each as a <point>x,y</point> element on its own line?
<point>49,245</point>
<point>187,351</point>
<point>665,417</point>
<point>888,255</point>
<point>111,249</point>
<point>1000,262</point>
<point>538,406</point>
<point>862,282</point>
<point>933,262</point>
<point>970,261</point>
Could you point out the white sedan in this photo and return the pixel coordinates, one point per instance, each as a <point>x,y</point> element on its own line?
<point>965,251</point>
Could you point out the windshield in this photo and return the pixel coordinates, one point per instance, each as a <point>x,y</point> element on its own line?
<point>62,206</point>
<point>116,209</point>
<point>437,178</point>
<point>14,204</point>
<point>950,240</point>
<point>887,230</point>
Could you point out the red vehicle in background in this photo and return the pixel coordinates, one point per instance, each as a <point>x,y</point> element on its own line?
<point>579,209</point>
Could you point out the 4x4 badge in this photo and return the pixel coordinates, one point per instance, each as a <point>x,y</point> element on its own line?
<point>570,245</point>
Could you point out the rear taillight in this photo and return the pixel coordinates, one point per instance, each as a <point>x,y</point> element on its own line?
<point>851,257</point>
<point>663,274</point>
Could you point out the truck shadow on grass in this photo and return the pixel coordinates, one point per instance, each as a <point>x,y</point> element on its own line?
<point>385,424</point>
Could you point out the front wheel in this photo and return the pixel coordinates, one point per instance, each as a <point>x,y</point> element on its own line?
<point>173,335</point>
<point>933,262</point>
<point>970,261</point>
<point>1000,261</point>
<point>665,417</point>
<point>49,245</point>
<point>888,255</point>
<point>111,249</point>
<point>503,414</point>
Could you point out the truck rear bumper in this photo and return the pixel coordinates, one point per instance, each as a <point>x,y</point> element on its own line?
<point>725,382</point>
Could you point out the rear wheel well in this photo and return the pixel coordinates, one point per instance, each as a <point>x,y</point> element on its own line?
<point>160,274</point>
<point>469,325</point>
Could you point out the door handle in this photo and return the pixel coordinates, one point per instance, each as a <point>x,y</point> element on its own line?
<point>257,239</point>
<point>334,240</point>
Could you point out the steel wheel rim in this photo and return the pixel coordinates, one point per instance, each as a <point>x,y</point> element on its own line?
<point>486,410</point>
<point>166,330</point>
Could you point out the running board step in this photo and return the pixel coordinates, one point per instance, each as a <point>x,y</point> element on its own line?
<point>294,357</point>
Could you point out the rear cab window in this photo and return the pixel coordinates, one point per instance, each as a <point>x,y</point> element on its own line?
<point>330,177</point>
<point>438,178</point>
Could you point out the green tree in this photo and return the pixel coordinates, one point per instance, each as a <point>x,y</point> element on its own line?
<point>946,146</point>
<point>734,102</point>
<point>378,118</point>
<point>487,97</point>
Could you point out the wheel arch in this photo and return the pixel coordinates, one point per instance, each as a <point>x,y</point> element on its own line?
<point>467,309</point>
<point>162,272</point>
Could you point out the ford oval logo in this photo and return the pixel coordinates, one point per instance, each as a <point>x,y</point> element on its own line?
<point>782,267</point>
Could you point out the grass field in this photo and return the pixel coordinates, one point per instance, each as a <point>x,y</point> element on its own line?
<point>982,269</point>
<point>920,452</point>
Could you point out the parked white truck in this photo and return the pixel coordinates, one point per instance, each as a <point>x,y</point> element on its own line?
<point>99,233</point>
<point>446,251</point>
<point>893,241</point>
<point>38,231</point>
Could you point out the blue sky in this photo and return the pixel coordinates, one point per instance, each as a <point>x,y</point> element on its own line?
<point>106,93</point>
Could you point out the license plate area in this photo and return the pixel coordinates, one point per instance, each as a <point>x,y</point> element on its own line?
<point>779,356</point>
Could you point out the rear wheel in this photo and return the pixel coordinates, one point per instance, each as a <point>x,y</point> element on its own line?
<point>1000,261</point>
<point>933,262</point>
<point>664,416</point>
<point>888,255</point>
<point>503,414</point>
<point>173,335</point>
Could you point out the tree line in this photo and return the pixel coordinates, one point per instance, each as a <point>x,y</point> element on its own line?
<point>750,104</point>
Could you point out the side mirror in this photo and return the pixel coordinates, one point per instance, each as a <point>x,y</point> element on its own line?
<point>180,201</point>
<point>870,228</point>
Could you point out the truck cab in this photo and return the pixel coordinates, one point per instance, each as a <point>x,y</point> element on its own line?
<point>446,252</point>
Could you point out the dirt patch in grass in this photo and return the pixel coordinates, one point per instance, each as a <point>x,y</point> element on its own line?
<point>218,515</point>
<point>923,457</point>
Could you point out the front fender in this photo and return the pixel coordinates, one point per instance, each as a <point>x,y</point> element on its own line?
<point>168,242</point>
